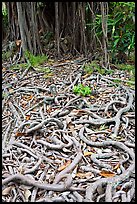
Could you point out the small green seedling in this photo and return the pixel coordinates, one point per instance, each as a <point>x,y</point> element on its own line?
<point>82,90</point>
<point>36,60</point>
<point>89,68</point>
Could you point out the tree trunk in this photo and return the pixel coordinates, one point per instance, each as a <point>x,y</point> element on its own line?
<point>21,25</point>
<point>104,13</point>
<point>57,27</point>
<point>28,27</point>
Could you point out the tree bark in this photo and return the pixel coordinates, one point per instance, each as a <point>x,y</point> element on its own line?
<point>21,25</point>
<point>57,27</point>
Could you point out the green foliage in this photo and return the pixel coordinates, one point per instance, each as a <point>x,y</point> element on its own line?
<point>4,16</point>
<point>19,66</point>
<point>120,25</point>
<point>4,95</point>
<point>82,90</point>
<point>109,71</point>
<point>46,70</point>
<point>35,60</point>
<point>89,68</point>
<point>6,55</point>
<point>4,10</point>
<point>128,67</point>
<point>48,36</point>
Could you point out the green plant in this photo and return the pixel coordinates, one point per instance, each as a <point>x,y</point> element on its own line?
<point>19,66</point>
<point>128,67</point>
<point>109,71</point>
<point>120,28</point>
<point>46,70</point>
<point>35,60</point>
<point>89,68</point>
<point>6,55</point>
<point>82,90</point>
<point>4,19</point>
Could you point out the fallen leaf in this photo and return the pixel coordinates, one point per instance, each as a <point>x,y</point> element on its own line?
<point>18,134</point>
<point>77,112</point>
<point>48,75</point>
<point>116,166</point>
<point>28,98</point>
<point>88,153</point>
<point>92,97</point>
<point>27,194</point>
<point>7,190</point>
<point>77,127</point>
<point>3,69</point>
<point>42,165</point>
<point>28,117</point>
<point>71,127</point>
<point>68,119</point>
<point>105,173</point>
<point>64,165</point>
<point>109,114</point>
<point>94,138</point>
<point>14,75</point>
<point>48,109</point>
<point>11,90</point>
<point>92,149</point>
<point>85,76</point>
<point>84,175</point>
<point>109,130</point>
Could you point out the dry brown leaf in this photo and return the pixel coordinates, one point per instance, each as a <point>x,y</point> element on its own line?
<point>109,130</point>
<point>71,127</point>
<point>78,127</point>
<point>105,173</point>
<point>116,166</point>
<point>23,103</point>
<point>49,109</point>
<point>109,114</point>
<point>28,98</point>
<point>11,90</point>
<point>42,165</point>
<point>88,153</point>
<point>77,112</point>
<point>28,117</point>
<point>94,138</point>
<point>7,190</point>
<point>92,97</point>
<point>64,165</point>
<point>85,76</point>
<point>84,175</point>
<point>3,69</point>
<point>14,75</point>
<point>68,119</point>
<point>18,134</point>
